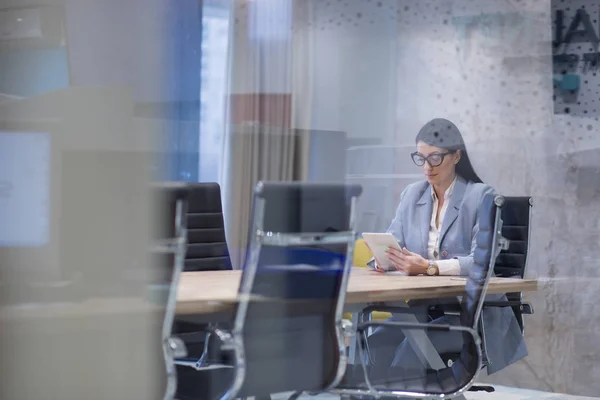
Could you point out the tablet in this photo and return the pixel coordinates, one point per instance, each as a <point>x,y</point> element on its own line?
<point>379,243</point>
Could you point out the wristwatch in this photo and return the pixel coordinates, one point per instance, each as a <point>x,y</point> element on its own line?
<point>432,269</point>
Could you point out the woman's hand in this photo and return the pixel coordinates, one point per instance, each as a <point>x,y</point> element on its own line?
<point>406,261</point>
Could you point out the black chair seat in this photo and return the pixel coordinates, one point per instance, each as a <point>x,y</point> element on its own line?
<point>207,385</point>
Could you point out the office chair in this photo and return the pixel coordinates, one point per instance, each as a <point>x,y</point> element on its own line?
<point>288,332</point>
<point>453,380</point>
<point>206,251</point>
<point>512,262</point>
<point>169,252</point>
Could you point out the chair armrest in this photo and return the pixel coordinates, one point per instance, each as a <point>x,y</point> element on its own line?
<point>363,328</point>
<point>526,308</point>
<point>416,325</point>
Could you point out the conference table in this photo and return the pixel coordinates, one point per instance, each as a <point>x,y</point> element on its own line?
<point>213,293</point>
<point>212,296</point>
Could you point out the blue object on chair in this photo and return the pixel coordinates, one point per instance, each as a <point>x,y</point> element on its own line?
<point>298,273</point>
<point>323,258</point>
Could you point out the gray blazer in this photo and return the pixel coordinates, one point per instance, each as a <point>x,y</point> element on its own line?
<point>503,342</point>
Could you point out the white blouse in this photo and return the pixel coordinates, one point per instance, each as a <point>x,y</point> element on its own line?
<point>446,267</point>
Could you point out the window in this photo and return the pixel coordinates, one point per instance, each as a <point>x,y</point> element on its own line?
<point>196,82</point>
<point>215,42</point>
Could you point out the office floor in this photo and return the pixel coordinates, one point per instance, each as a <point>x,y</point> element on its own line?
<point>501,393</point>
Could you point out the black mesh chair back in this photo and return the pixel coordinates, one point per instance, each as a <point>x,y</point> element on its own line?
<point>287,334</point>
<point>207,246</point>
<point>516,222</point>
<point>512,262</point>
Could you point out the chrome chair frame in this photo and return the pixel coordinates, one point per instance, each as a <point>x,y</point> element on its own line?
<point>499,243</point>
<point>233,340</point>
<point>173,347</point>
<point>203,363</point>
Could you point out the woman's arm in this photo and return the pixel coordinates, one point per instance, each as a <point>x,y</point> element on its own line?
<point>395,227</point>
<point>466,262</point>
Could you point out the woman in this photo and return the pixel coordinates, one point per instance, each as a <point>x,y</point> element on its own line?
<point>435,224</point>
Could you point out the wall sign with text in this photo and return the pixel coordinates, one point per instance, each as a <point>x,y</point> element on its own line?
<point>576,57</point>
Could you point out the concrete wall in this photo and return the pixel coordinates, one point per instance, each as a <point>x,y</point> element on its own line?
<point>487,66</point>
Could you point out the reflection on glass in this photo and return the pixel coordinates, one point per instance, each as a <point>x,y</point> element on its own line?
<point>24,188</point>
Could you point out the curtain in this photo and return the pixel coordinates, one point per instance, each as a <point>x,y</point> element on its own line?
<point>269,97</point>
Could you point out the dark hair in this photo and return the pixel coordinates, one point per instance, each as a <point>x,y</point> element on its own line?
<point>444,134</point>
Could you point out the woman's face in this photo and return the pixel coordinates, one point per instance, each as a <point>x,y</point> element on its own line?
<point>445,171</point>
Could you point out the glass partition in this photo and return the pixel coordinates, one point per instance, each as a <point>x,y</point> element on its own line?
<point>118,94</point>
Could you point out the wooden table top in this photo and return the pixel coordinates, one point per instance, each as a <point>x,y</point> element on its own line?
<point>214,292</point>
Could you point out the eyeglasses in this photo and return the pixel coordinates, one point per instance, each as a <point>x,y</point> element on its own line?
<point>434,160</point>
